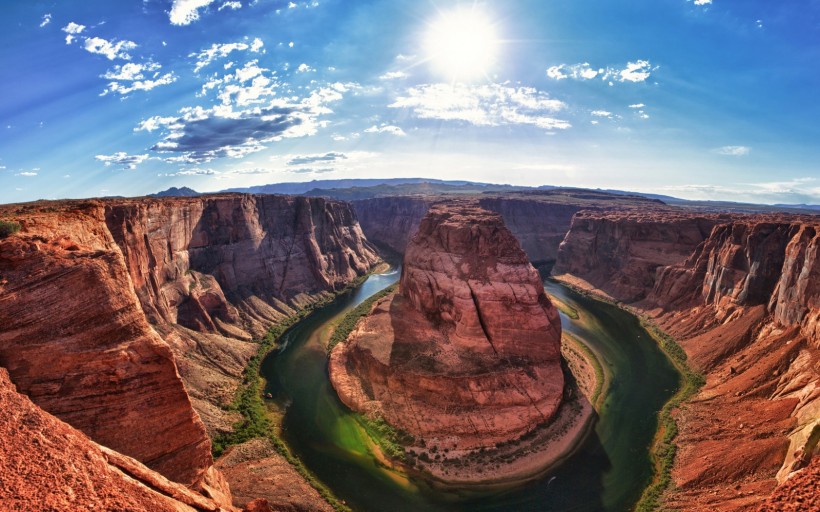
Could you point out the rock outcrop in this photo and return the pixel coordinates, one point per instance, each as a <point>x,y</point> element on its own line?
<point>744,304</point>
<point>620,252</point>
<point>214,272</point>
<point>467,354</point>
<point>100,300</point>
<point>45,464</point>
<point>538,219</point>
<point>75,340</point>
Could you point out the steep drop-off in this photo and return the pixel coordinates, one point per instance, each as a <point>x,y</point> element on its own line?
<point>214,272</point>
<point>744,304</point>
<point>45,464</point>
<point>539,220</point>
<point>467,354</point>
<point>100,299</point>
<point>75,340</point>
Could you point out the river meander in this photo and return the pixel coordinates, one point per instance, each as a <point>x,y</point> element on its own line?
<point>607,473</point>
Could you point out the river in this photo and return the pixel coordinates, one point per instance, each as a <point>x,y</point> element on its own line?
<point>607,473</point>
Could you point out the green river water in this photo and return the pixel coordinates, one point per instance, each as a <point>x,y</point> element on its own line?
<point>607,473</point>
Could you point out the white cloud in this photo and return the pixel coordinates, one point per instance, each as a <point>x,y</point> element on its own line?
<point>230,5</point>
<point>386,128</point>
<point>703,2</point>
<point>140,84</point>
<point>216,51</point>
<point>191,172</point>
<point>110,49</point>
<point>131,71</point>
<point>638,71</point>
<point>185,12</point>
<point>46,20</point>
<point>393,75</point>
<point>484,105</point>
<point>637,105</point>
<point>71,30</point>
<point>122,159</point>
<point>27,174</point>
<point>240,127</point>
<point>733,150</point>
<point>304,68</point>
<point>601,113</point>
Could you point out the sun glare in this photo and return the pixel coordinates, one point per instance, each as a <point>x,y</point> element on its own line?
<point>462,44</point>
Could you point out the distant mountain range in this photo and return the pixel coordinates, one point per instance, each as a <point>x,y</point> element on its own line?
<point>353,189</point>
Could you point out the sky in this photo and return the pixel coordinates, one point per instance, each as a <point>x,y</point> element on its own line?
<point>700,99</point>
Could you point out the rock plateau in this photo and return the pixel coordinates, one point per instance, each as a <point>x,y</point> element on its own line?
<point>466,355</point>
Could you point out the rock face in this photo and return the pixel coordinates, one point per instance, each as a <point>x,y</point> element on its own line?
<point>45,464</point>
<point>745,305</point>
<point>75,340</point>
<point>467,353</point>
<point>539,220</point>
<point>99,301</point>
<point>213,272</point>
<point>620,252</point>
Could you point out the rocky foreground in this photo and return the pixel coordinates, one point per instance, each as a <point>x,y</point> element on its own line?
<point>131,320</point>
<point>466,355</point>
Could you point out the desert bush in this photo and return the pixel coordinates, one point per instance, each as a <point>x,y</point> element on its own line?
<point>8,228</point>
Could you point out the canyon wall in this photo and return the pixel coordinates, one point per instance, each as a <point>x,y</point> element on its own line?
<point>214,272</point>
<point>45,464</point>
<point>744,304</point>
<point>467,354</point>
<point>539,220</point>
<point>111,309</point>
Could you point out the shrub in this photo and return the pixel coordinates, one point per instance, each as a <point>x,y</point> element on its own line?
<point>8,228</point>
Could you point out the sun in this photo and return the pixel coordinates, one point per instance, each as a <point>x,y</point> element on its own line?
<point>462,44</point>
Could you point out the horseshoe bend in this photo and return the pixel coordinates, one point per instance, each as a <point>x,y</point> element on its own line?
<point>466,354</point>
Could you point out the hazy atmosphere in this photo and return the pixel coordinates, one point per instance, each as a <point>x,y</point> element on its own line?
<point>697,99</point>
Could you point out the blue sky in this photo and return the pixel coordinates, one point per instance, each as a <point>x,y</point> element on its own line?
<point>698,99</point>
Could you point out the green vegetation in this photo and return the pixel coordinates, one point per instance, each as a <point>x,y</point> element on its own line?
<point>565,308</point>
<point>589,355</point>
<point>390,440</point>
<point>664,449</point>
<point>8,228</point>
<point>256,421</point>
<point>348,323</point>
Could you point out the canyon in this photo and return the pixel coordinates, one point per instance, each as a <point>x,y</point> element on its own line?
<point>132,320</point>
<point>466,354</point>
<point>127,325</point>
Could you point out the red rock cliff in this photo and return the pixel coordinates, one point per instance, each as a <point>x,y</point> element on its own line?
<point>213,272</point>
<point>744,304</point>
<point>466,355</point>
<point>75,340</point>
<point>45,464</point>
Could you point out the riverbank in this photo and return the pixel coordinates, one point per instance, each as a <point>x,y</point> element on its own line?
<point>664,448</point>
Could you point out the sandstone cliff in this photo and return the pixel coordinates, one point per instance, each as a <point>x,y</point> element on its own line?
<point>467,354</point>
<point>45,464</point>
<point>213,272</point>
<point>99,300</point>
<point>744,303</point>
<point>538,219</point>
<point>620,252</point>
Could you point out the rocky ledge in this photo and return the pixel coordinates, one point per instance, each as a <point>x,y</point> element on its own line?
<point>466,355</point>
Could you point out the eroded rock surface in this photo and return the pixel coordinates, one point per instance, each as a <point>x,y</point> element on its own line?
<point>744,304</point>
<point>467,353</point>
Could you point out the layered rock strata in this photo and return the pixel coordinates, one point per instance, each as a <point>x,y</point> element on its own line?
<point>45,464</point>
<point>745,305</point>
<point>100,299</point>
<point>214,272</point>
<point>538,219</point>
<point>467,353</point>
